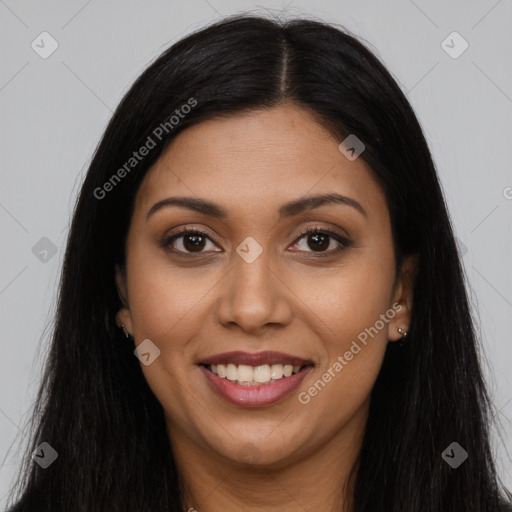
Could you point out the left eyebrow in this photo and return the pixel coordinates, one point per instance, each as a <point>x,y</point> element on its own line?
<point>312,202</point>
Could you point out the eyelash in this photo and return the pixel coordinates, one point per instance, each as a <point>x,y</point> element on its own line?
<point>344,243</point>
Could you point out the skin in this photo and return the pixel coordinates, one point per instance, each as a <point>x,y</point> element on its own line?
<point>299,455</point>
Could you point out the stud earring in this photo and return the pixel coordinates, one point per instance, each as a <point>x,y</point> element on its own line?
<point>402,332</point>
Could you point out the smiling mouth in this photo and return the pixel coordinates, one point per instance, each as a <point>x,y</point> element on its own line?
<point>246,375</point>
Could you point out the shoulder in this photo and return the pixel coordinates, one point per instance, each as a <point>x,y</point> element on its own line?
<point>506,507</point>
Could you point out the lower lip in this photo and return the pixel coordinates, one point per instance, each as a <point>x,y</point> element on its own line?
<point>255,396</point>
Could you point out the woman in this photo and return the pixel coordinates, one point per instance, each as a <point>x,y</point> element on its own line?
<point>262,306</point>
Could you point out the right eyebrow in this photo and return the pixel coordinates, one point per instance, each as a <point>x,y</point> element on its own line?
<point>192,203</point>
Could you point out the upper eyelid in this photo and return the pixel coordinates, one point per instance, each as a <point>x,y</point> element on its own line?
<point>329,231</point>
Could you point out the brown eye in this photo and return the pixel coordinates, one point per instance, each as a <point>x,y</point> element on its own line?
<point>187,241</point>
<point>194,243</point>
<point>319,241</point>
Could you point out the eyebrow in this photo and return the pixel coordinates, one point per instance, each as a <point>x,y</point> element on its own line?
<point>289,209</point>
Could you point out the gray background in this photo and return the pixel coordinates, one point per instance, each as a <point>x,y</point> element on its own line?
<point>54,110</point>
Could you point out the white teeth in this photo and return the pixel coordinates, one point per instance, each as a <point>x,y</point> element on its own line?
<point>276,371</point>
<point>245,373</point>
<point>262,373</point>
<point>253,375</point>
<point>231,372</point>
<point>288,370</point>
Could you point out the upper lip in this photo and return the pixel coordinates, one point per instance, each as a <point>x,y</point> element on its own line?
<point>269,357</point>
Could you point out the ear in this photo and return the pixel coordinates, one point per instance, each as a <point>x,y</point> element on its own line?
<point>402,301</point>
<point>123,316</point>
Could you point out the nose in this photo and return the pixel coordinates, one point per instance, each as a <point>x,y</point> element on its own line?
<point>254,297</point>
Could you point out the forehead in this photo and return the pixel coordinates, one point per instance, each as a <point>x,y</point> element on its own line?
<point>258,158</point>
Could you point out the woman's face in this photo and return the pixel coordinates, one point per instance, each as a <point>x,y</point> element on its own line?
<point>255,284</point>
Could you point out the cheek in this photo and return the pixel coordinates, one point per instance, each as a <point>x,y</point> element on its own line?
<point>352,353</point>
<point>164,298</point>
<point>167,304</point>
<point>351,299</point>
<point>352,315</point>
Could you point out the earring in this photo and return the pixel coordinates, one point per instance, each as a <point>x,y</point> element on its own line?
<point>401,341</point>
<point>402,332</point>
<point>125,331</point>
